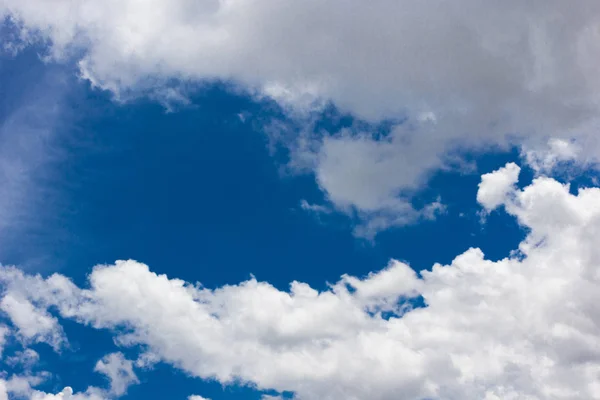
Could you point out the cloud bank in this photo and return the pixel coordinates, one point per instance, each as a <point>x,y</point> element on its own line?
<point>524,327</point>
<point>459,74</point>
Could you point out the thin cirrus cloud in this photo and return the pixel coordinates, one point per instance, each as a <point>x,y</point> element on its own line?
<point>525,326</point>
<point>31,121</point>
<point>463,74</point>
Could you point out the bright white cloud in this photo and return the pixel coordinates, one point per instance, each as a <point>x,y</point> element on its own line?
<point>196,397</point>
<point>114,366</point>
<point>67,393</point>
<point>32,323</point>
<point>524,327</point>
<point>466,74</point>
<point>21,387</point>
<point>496,187</point>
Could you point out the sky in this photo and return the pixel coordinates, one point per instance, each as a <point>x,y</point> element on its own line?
<point>253,199</point>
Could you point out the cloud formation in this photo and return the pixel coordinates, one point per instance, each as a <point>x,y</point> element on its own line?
<point>522,327</point>
<point>496,187</point>
<point>30,124</point>
<point>119,372</point>
<point>460,74</point>
<point>375,60</point>
<point>114,366</point>
<point>22,387</point>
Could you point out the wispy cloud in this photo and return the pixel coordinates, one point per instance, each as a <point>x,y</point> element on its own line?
<point>28,132</point>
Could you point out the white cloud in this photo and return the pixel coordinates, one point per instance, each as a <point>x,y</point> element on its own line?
<point>374,178</point>
<point>453,69</point>
<point>545,159</point>
<point>119,372</point>
<point>373,60</point>
<point>3,390</point>
<point>114,366</point>
<point>32,323</point>
<point>524,327</point>
<point>67,393</point>
<point>21,387</point>
<point>196,397</point>
<point>497,186</point>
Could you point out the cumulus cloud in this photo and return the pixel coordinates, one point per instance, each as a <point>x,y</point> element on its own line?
<point>20,387</point>
<point>114,366</point>
<point>497,186</point>
<point>32,323</point>
<point>196,397</point>
<point>523,327</point>
<point>67,393</point>
<point>465,74</point>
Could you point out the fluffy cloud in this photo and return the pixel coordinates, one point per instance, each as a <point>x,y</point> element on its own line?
<point>497,186</point>
<point>20,387</point>
<point>374,60</point>
<point>524,327</point>
<point>68,394</point>
<point>114,366</point>
<point>32,323</point>
<point>458,73</point>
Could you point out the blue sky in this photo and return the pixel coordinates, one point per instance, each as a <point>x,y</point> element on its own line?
<point>222,185</point>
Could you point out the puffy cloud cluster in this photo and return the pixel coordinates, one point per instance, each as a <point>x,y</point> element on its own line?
<point>23,387</point>
<point>524,327</point>
<point>67,393</point>
<point>115,367</point>
<point>462,74</point>
<point>20,387</point>
<point>33,324</point>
